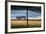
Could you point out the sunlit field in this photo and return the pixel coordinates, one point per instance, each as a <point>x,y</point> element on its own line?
<point>23,23</point>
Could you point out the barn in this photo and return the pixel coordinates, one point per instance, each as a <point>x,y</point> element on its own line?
<point>21,17</point>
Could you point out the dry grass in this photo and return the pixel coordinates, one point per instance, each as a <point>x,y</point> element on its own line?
<point>34,23</point>
<point>19,22</point>
<point>23,23</point>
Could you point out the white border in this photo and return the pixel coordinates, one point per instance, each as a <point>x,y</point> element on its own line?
<point>24,29</point>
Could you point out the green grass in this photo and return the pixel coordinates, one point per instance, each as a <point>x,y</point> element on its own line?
<point>25,26</point>
<point>32,26</point>
<point>19,26</point>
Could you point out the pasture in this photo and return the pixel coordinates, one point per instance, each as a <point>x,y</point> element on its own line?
<point>23,23</point>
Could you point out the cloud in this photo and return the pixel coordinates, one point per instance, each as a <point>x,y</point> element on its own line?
<point>34,18</point>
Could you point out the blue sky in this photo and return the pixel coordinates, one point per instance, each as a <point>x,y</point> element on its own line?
<point>31,14</point>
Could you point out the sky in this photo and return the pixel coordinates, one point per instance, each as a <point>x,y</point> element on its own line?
<point>33,12</point>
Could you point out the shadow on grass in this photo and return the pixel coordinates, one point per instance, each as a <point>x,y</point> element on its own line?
<point>19,26</point>
<point>33,26</point>
<point>25,26</point>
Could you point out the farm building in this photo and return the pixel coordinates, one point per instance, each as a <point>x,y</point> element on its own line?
<point>20,17</point>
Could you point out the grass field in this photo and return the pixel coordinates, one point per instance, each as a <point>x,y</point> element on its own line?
<point>23,23</point>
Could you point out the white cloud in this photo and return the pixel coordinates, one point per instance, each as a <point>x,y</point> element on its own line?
<point>34,18</point>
